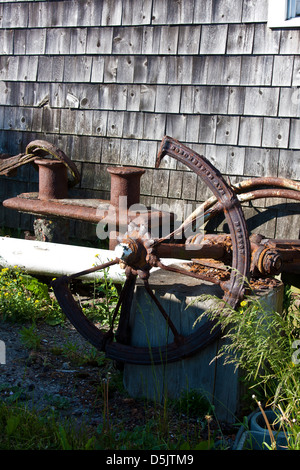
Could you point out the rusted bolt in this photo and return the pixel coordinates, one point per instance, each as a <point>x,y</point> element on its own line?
<point>125,181</point>
<point>272,262</point>
<point>53,179</point>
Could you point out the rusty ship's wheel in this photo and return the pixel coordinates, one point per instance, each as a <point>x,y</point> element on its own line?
<point>139,254</point>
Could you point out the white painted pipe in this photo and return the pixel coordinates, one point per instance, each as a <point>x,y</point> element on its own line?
<point>53,259</point>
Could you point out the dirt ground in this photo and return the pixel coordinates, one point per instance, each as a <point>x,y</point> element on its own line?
<point>48,379</point>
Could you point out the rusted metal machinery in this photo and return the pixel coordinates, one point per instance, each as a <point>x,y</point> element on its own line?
<point>58,173</point>
<point>207,258</point>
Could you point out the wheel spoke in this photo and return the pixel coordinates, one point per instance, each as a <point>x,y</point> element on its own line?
<point>125,299</point>
<point>171,325</point>
<point>95,268</point>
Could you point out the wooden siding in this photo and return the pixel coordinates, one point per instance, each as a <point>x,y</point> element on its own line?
<point>106,80</point>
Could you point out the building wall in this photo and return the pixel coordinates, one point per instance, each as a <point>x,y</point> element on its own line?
<point>106,80</point>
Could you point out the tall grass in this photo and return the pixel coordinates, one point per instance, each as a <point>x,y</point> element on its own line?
<point>263,344</point>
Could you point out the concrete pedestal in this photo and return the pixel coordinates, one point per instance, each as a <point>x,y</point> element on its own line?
<point>218,382</point>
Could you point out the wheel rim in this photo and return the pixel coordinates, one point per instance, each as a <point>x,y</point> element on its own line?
<point>181,347</point>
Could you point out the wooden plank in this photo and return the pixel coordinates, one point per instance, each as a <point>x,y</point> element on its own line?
<point>290,41</point>
<point>113,97</point>
<point>180,70</point>
<point>256,70</point>
<point>261,162</point>
<point>151,40</point>
<point>89,13</point>
<point>160,183</point>
<point>254,11</point>
<point>87,94</point>
<point>283,70</point>
<point>146,187</point>
<point>40,14</point>
<point>77,68</point>
<point>179,12</point>
<point>187,98</point>
<point>15,15</point>
<point>50,120</point>
<point>127,40</point>
<point>294,134</point>
<point>213,39</point>
<point>58,41</point>
<point>207,129</point>
<point>57,95</point>
<point>9,67</point>
<point>227,130</point>
<point>58,65</point>
<point>216,156</point>
<point>100,122</point>
<point>240,39</point>
<point>168,39</point>
<point>289,104</point>
<point>140,69</point>
<point>159,12</point>
<point>154,126</point>
<point>7,41</point>
<point>97,72</point>
<point>236,100</point>
<point>136,12</point>
<point>110,68</point>
<point>125,69</point>
<point>111,155</point>
<point>78,41</point>
<point>275,132</point>
<point>289,164</point>
<point>296,72</point>
<point>147,97</point>
<point>133,126</point>
<point>68,121</point>
<point>115,124</point>
<point>168,99</point>
<point>111,12</point>
<point>235,160</point>
<point>203,12</point>
<point>176,126</point>
<point>192,128</point>
<point>189,185</point>
<point>99,40</point>
<point>146,156</point>
<point>200,66</point>
<point>189,39</point>
<point>266,40</point>
<point>261,101</point>
<point>128,152</point>
<point>250,131</point>
<point>211,100</point>
<point>223,70</point>
<point>27,68</point>
<point>9,94</point>
<point>133,98</point>
<point>175,184</point>
<point>289,227</point>
<point>224,11</point>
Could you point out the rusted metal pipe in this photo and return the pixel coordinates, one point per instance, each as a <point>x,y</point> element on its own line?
<point>124,193</point>
<point>125,181</point>
<point>53,179</point>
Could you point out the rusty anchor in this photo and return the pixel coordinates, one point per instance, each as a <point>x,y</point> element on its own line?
<point>206,257</point>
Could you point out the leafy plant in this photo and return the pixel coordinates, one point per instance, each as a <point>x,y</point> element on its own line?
<point>105,298</point>
<point>261,342</point>
<point>25,298</point>
<point>30,338</point>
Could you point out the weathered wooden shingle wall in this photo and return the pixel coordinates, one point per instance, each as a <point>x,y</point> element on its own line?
<point>105,80</point>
